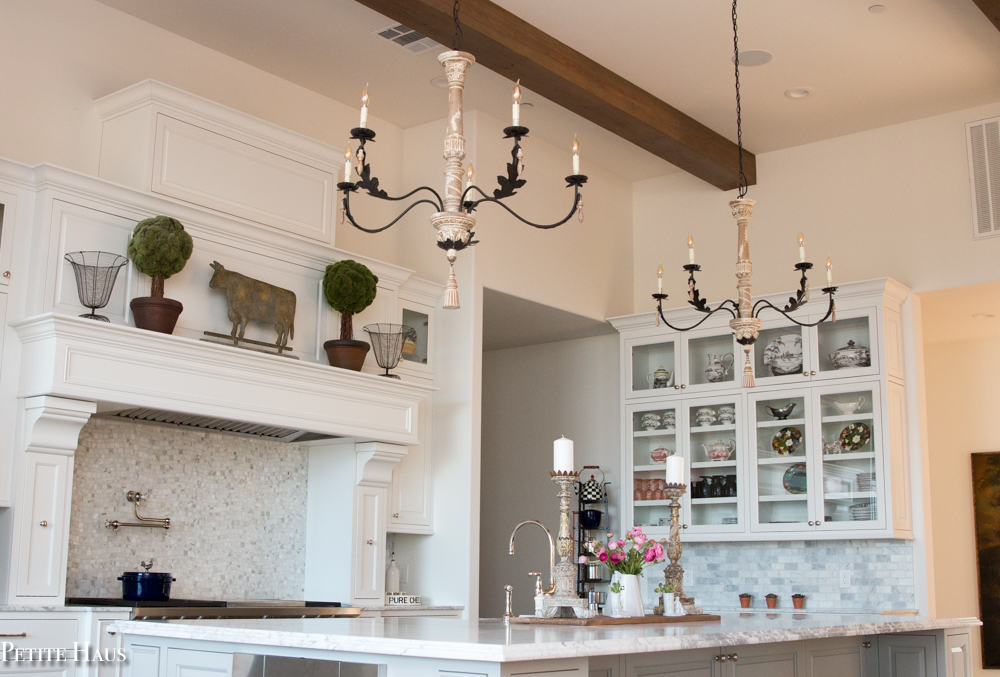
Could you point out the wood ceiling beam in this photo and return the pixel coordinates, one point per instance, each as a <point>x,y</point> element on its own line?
<point>991,8</point>
<point>515,49</point>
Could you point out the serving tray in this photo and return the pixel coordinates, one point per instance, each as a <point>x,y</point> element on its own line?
<point>608,620</point>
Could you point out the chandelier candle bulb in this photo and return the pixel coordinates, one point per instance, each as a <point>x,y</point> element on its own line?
<point>470,174</point>
<point>576,156</point>
<point>675,470</point>
<point>364,109</point>
<point>829,272</point>
<point>690,250</point>
<point>659,279</point>
<point>516,106</point>
<point>802,248</point>
<point>562,455</point>
<point>347,163</point>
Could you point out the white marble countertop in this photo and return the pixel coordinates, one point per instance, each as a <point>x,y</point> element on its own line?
<point>413,607</point>
<point>20,608</point>
<point>492,641</point>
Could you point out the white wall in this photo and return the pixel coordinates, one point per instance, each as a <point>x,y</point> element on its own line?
<point>531,396</point>
<point>890,202</point>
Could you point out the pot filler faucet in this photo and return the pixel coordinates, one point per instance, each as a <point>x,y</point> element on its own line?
<point>552,552</point>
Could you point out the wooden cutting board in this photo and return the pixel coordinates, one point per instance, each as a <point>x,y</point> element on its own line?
<point>607,620</point>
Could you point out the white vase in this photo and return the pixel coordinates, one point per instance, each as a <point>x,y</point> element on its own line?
<point>630,599</point>
<point>611,605</point>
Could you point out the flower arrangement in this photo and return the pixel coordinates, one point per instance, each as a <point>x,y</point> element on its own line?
<point>630,555</point>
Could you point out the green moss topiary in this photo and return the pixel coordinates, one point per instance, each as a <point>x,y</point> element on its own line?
<point>349,287</point>
<point>159,248</point>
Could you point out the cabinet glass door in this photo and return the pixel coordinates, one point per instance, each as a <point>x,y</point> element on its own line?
<point>847,347</point>
<point>714,449</point>
<point>654,438</point>
<point>710,358</point>
<point>652,367</point>
<point>781,354</point>
<point>781,462</point>
<point>851,457</point>
<point>8,208</point>
<point>415,345</point>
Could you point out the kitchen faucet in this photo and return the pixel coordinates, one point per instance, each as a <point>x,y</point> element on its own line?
<point>552,552</point>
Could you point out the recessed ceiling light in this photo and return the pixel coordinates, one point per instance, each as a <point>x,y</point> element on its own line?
<point>752,57</point>
<point>875,9</point>
<point>440,81</point>
<point>798,92</point>
<point>984,316</point>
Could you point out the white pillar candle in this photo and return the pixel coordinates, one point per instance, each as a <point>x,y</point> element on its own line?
<point>347,163</point>
<point>659,279</point>
<point>690,250</point>
<point>364,108</point>
<point>562,455</point>
<point>829,272</point>
<point>802,249</point>
<point>516,106</point>
<point>576,156</point>
<point>675,470</point>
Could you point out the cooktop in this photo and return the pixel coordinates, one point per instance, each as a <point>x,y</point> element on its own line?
<point>113,601</point>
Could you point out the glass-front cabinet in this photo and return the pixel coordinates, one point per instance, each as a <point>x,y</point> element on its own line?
<point>817,449</point>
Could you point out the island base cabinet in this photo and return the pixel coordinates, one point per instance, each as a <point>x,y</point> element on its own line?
<point>841,657</point>
<point>187,663</point>
<point>693,663</point>
<point>958,655</point>
<point>143,661</point>
<point>775,660</point>
<point>907,656</point>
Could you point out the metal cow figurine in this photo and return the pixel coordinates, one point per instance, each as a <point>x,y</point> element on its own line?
<point>251,299</point>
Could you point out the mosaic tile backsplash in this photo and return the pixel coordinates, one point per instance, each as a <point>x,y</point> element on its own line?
<point>881,574</point>
<point>237,509</point>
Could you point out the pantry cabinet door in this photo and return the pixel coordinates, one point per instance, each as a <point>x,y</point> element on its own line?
<point>412,486</point>
<point>369,554</point>
<point>693,663</point>
<point>40,572</point>
<point>836,657</point>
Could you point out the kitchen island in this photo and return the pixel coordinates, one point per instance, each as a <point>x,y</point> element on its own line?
<point>741,645</point>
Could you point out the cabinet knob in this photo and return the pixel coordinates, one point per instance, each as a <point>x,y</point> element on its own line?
<point>43,523</point>
<point>734,657</point>
<point>677,387</point>
<point>812,373</point>
<point>395,515</point>
<point>370,542</point>
<point>6,274</point>
<point>723,658</point>
<point>805,374</point>
<point>684,526</point>
<point>683,386</point>
<point>866,645</point>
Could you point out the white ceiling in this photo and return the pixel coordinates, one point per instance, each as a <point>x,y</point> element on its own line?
<point>513,322</point>
<point>916,59</point>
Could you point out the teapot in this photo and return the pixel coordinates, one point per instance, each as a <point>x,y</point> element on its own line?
<point>846,408</point>
<point>717,369</point>
<point>659,378</point>
<point>720,451</point>
<point>850,356</point>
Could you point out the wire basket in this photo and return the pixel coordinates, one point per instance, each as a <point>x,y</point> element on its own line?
<point>387,343</point>
<point>96,273</point>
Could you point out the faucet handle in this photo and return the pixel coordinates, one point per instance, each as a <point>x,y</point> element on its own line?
<point>539,589</point>
<point>508,611</point>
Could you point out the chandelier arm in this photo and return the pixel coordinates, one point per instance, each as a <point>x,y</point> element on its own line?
<point>708,313</point>
<point>350,217</point>
<point>576,204</point>
<point>831,309</point>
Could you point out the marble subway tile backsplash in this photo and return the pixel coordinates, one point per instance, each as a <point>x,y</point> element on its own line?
<point>881,573</point>
<point>237,508</point>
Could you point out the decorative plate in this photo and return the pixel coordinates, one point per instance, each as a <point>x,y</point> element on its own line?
<point>784,355</point>
<point>855,436</point>
<point>786,440</point>
<point>794,479</point>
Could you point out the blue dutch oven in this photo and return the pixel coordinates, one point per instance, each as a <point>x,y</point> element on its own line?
<point>146,586</point>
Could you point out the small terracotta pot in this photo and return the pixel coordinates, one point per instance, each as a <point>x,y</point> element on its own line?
<point>346,354</point>
<point>745,602</point>
<point>156,314</point>
<point>798,602</point>
<point>772,602</point>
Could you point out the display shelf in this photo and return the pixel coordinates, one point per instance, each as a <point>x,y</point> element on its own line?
<point>781,424</point>
<point>849,496</point>
<point>779,460</point>
<point>783,498</point>
<point>695,465</point>
<point>852,456</point>
<point>650,504</point>
<point>655,432</point>
<point>662,467</point>
<point>848,418</point>
<point>695,429</point>
<point>712,501</point>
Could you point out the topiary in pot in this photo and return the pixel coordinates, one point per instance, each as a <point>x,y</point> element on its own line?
<point>159,248</point>
<point>349,287</point>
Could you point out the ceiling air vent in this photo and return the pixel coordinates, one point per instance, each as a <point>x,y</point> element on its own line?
<point>407,38</point>
<point>983,139</point>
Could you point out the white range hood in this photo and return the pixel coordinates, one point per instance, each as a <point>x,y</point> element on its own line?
<point>144,375</point>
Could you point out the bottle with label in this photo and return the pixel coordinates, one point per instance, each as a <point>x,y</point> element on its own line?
<point>392,576</point>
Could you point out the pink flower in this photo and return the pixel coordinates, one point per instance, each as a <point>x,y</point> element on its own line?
<point>640,539</point>
<point>620,542</point>
<point>612,546</point>
<point>583,559</point>
<point>628,534</point>
<point>603,556</point>
<point>637,530</point>
<point>649,555</point>
<point>602,551</point>
<point>659,552</point>
<point>617,557</point>
<point>610,535</point>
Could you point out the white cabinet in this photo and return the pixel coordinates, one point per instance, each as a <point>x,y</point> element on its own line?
<point>818,449</point>
<point>958,654</point>
<point>144,661</point>
<point>8,210</point>
<point>43,525</point>
<point>369,536</point>
<point>907,656</point>
<point>187,663</point>
<point>411,490</point>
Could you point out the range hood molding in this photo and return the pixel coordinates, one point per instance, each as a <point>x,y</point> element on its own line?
<point>120,367</point>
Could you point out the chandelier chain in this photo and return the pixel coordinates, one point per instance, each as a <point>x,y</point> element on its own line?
<point>739,120</point>
<point>459,38</point>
